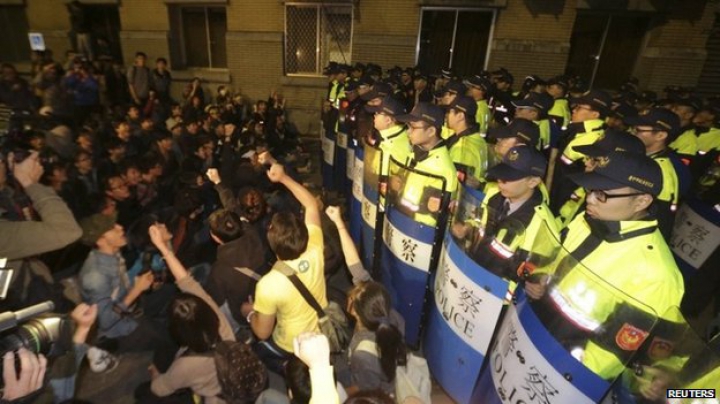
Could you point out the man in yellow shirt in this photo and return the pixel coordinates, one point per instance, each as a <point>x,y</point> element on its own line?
<point>279,312</point>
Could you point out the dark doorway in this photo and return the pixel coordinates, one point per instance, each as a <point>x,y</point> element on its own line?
<point>456,38</point>
<point>105,28</point>
<point>709,82</point>
<point>14,43</point>
<point>604,47</point>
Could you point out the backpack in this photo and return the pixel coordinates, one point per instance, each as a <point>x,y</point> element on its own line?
<point>241,374</point>
<point>411,380</point>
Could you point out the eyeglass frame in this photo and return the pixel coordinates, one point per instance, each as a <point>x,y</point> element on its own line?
<point>603,196</point>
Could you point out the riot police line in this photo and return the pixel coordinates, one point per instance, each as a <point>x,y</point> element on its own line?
<point>484,339</point>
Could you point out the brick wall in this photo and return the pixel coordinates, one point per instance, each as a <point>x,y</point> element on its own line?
<point>532,38</point>
<point>675,49</point>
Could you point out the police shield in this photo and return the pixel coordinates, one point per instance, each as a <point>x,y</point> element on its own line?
<point>468,297</point>
<point>696,235</point>
<point>372,169</point>
<point>349,164</point>
<point>674,365</point>
<point>570,344</point>
<point>341,148</point>
<point>356,220</point>
<point>328,138</point>
<point>415,218</point>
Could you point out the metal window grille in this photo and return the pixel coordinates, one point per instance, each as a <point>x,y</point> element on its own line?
<point>316,34</point>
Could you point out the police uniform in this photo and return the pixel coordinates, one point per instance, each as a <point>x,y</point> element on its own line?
<point>482,114</point>
<point>669,196</point>
<point>709,141</point>
<point>508,232</point>
<point>630,256</point>
<point>468,149</point>
<point>542,104</point>
<point>578,134</point>
<point>687,143</point>
<point>419,191</point>
<point>392,141</point>
<point>611,140</point>
<point>560,110</point>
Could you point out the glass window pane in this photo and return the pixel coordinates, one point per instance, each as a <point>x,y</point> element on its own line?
<point>218,28</point>
<point>471,42</point>
<point>436,35</point>
<point>195,35</point>
<point>336,35</point>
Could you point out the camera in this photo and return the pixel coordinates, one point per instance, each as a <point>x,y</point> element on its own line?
<point>35,329</point>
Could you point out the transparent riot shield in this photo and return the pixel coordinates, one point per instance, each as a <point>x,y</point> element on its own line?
<point>468,297</point>
<point>674,365</point>
<point>356,219</point>
<point>328,139</point>
<point>349,164</point>
<point>570,342</point>
<point>415,218</point>
<point>372,167</point>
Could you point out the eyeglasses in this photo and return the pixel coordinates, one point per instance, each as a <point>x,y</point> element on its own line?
<point>603,196</point>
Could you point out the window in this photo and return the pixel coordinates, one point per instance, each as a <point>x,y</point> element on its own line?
<point>14,42</point>
<point>456,38</point>
<point>198,36</point>
<point>316,34</point>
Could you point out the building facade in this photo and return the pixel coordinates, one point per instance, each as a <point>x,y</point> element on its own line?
<point>263,45</point>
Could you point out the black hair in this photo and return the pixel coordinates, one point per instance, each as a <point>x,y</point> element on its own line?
<point>141,54</point>
<point>114,143</point>
<point>138,235</point>
<point>147,163</point>
<point>226,225</point>
<point>193,323</point>
<point>375,396</point>
<point>297,378</point>
<point>128,164</point>
<point>371,302</point>
<point>158,60</point>
<point>287,236</point>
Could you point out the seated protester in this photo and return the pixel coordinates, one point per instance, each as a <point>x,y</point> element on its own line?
<point>377,346</point>
<point>239,264</point>
<point>130,173</point>
<point>147,188</point>
<point>197,326</point>
<point>162,151</point>
<point>104,281</point>
<point>132,143</point>
<point>515,214</point>
<point>298,246</point>
<point>200,156</point>
<point>657,129</point>
<point>468,149</point>
<point>612,140</point>
<point>85,173</point>
<point>185,220</point>
<point>117,190</point>
<point>186,140</point>
<point>283,139</point>
<point>175,116</point>
<point>110,165</point>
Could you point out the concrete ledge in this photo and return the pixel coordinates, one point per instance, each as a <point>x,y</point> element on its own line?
<point>386,40</point>
<point>207,75</point>
<point>143,34</point>
<point>521,45</point>
<point>464,3</point>
<point>254,36</point>
<point>654,52</point>
<point>304,81</point>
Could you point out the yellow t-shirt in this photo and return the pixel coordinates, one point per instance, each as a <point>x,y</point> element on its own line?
<point>276,295</point>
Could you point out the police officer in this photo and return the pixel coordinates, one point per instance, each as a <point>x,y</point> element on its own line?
<point>448,94</point>
<point>686,145</point>
<point>479,90</point>
<point>655,129</point>
<point>535,108</point>
<point>393,138</point>
<point>419,197</point>
<point>612,140</point>
<point>515,212</point>
<point>502,96</point>
<point>618,239</point>
<point>557,87</point>
<point>588,124</point>
<point>421,90</point>
<point>468,149</point>
<point>373,97</point>
<point>519,132</point>
<point>619,112</point>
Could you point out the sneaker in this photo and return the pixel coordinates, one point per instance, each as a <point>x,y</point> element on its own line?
<point>101,361</point>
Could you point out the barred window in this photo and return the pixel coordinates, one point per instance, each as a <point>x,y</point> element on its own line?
<point>316,34</point>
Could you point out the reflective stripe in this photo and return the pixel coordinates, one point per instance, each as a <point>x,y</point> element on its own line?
<point>702,153</point>
<point>501,249</point>
<point>574,315</point>
<point>673,207</point>
<point>566,160</point>
<point>413,207</point>
<point>717,207</point>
